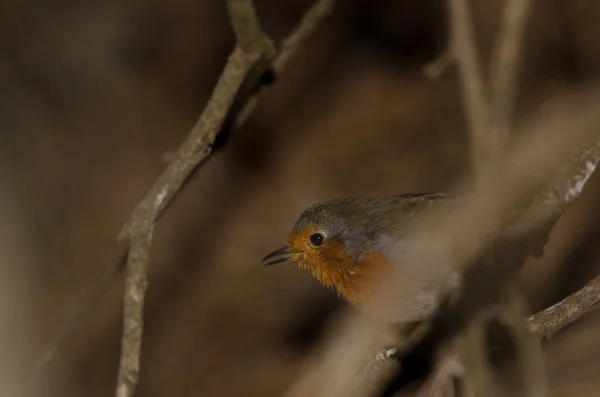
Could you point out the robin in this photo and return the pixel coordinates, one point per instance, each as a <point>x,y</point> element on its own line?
<point>348,244</point>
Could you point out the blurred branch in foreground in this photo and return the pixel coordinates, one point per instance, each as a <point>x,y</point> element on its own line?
<point>489,109</point>
<point>459,236</point>
<point>508,186</point>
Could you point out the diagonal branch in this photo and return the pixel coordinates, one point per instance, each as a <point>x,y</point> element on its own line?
<point>198,144</point>
<point>551,320</point>
<point>252,45</point>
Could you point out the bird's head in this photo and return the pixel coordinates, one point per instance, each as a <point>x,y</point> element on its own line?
<point>341,242</point>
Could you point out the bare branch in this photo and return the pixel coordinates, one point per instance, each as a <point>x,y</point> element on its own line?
<point>471,345</point>
<point>136,283</point>
<point>309,22</point>
<point>248,32</point>
<point>379,369</point>
<point>489,111</point>
<point>574,176</point>
<point>551,320</point>
<point>449,368</point>
<point>311,19</point>
<point>434,69</point>
<point>253,45</point>
<point>464,48</point>
<point>528,349</point>
<point>504,66</point>
<point>198,144</point>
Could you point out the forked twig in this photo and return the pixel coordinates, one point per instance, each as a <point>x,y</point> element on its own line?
<point>252,46</point>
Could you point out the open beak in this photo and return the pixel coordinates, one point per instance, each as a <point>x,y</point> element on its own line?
<point>281,255</point>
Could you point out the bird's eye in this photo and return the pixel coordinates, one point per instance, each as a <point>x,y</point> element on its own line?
<point>317,239</point>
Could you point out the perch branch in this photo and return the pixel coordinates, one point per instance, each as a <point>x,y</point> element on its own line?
<point>378,370</point>
<point>551,320</point>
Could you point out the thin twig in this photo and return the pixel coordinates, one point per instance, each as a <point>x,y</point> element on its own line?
<point>135,290</point>
<point>434,69</point>
<point>310,21</point>
<point>475,97</point>
<point>489,110</point>
<point>504,67</point>
<point>471,345</point>
<point>528,349</point>
<point>449,368</point>
<point>551,320</point>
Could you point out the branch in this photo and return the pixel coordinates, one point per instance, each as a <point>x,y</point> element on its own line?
<point>378,370</point>
<point>528,349</point>
<point>434,69</point>
<point>253,45</point>
<point>504,66</point>
<point>489,118</point>
<point>551,320</point>
<point>310,21</point>
<point>465,54</point>
<point>471,346</point>
<point>198,144</point>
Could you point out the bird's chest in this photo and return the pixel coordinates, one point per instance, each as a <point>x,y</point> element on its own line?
<point>365,277</point>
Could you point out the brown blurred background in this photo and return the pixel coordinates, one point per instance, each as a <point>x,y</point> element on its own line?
<point>94,95</point>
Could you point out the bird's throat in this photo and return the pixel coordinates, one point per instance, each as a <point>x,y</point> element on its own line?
<point>353,281</point>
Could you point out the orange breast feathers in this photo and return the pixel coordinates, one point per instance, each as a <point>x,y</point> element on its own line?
<point>335,269</point>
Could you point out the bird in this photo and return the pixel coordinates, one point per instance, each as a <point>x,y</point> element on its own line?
<point>349,244</point>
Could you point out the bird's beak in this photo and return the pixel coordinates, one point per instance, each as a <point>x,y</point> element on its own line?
<point>281,255</point>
